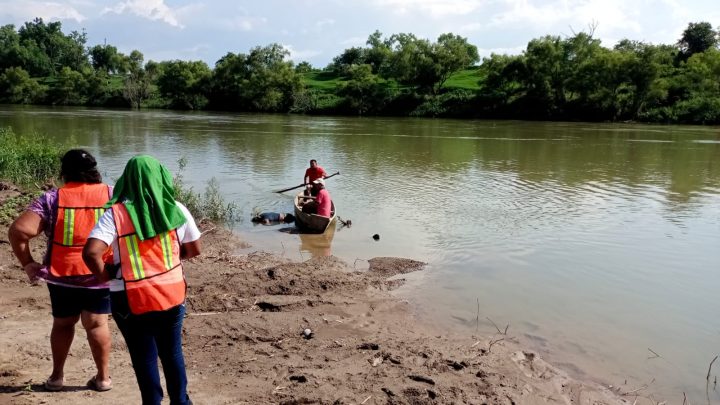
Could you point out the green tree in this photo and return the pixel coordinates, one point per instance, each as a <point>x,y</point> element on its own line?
<point>700,78</point>
<point>697,37</point>
<point>410,57</point>
<point>378,53</point>
<point>562,74</point>
<point>546,73</point>
<point>452,53</point>
<point>303,67</point>
<point>105,58</point>
<point>262,80</point>
<point>137,85</point>
<point>350,57</point>
<point>12,54</point>
<point>74,53</point>
<point>426,65</point>
<point>135,61</point>
<point>49,50</point>
<point>184,84</point>
<point>364,91</point>
<point>502,83</point>
<point>647,68</point>
<point>68,88</point>
<point>98,88</point>
<point>17,87</point>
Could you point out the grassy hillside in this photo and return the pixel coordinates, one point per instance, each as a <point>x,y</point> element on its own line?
<point>322,81</point>
<point>465,79</point>
<point>328,82</point>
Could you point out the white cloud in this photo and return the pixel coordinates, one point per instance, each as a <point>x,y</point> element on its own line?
<point>242,23</point>
<point>190,12</point>
<point>196,52</point>
<point>471,27</point>
<point>354,41</point>
<point>24,11</point>
<point>434,8</point>
<point>150,9</point>
<point>326,22</point>
<point>610,19</point>
<point>300,55</point>
<point>515,50</point>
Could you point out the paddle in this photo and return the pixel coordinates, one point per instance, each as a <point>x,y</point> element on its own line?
<point>293,188</point>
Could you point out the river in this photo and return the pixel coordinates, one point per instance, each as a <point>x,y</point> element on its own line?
<point>597,244</point>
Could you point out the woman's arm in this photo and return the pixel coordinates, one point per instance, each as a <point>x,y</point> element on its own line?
<point>24,228</point>
<point>190,249</point>
<point>93,257</point>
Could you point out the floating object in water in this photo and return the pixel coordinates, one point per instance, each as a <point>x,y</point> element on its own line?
<point>376,237</point>
<point>307,333</point>
<point>347,223</point>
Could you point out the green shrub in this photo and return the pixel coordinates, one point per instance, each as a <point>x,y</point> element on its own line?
<point>451,103</point>
<point>25,160</point>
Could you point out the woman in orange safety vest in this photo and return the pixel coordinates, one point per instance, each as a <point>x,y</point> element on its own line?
<point>149,233</point>
<point>66,215</point>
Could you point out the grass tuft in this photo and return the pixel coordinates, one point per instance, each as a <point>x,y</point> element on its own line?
<point>25,160</point>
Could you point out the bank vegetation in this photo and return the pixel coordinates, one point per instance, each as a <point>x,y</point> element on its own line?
<point>555,78</point>
<point>32,164</point>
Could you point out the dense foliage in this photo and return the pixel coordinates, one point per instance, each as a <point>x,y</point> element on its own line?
<point>555,78</point>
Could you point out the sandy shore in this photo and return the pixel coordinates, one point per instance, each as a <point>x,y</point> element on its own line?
<point>244,341</point>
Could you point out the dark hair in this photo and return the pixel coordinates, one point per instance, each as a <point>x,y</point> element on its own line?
<point>289,218</point>
<point>313,160</point>
<point>78,165</point>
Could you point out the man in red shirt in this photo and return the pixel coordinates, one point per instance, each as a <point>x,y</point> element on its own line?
<point>322,203</point>
<point>314,172</point>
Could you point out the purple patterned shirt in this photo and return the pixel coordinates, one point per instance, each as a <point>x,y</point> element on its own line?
<point>46,206</point>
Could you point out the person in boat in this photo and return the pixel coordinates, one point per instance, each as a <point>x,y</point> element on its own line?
<point>271,218</point>
<point>66,216</point>
<point>313,173</point>
<point>150,234</point>
<point>321,204</point>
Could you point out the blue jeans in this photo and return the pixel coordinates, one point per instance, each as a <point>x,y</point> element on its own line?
<point>149,336</point>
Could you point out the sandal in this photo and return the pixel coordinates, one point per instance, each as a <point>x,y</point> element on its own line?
<point>95,385</point>
<point>53,385</point>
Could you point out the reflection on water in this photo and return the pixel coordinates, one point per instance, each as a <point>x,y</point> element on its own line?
<point>594,242</point>
<point>317,245</point>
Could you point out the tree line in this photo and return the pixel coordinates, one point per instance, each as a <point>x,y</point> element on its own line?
<point>555,78</point>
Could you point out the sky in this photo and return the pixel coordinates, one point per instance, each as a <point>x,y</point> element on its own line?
<point>318,30</point>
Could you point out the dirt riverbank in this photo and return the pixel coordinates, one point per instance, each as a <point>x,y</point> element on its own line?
<point>244,340</point>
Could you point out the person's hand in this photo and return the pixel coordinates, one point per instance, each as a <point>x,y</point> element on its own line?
<point>32,269</point>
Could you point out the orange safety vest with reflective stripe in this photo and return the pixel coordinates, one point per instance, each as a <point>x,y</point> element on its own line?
<point>80,206</point>
<point>150,268</point>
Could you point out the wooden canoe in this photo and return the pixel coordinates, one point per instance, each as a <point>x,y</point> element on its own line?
<point>312,223</point>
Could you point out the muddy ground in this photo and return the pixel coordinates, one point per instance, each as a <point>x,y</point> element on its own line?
<point>244,340</point>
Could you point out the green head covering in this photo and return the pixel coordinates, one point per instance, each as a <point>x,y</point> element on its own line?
<point>146,189</point>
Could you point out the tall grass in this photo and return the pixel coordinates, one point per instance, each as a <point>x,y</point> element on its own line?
<point>25,160</point>
<point>210,205</point>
